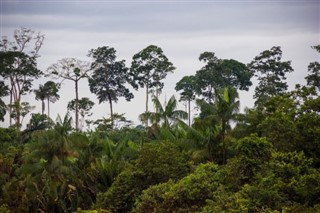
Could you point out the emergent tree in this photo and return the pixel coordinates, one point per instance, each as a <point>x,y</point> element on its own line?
<point>49,92</point>
<point>18,65</point>
<point>149,67</point>
<point>187,87</point>
<point>109,78</point>
<point>220,73</point>
<point>74,70</point>
<point>271,72</point>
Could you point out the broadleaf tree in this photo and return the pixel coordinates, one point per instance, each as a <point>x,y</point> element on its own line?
<point>84,107</point>
<point>18,64</point>
<point>73,70</point>
<point>220,73</point>
<point>187,87</point>
<point>313,77</point>
<point>52,96</point>
<point>109,78</point>
<point>49,92</point>
<point>271,72</point>
<point>148,69</point>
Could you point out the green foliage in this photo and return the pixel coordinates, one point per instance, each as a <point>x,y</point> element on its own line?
<point>49,92</point>
<point>109,76</point>
<point>187,85</point>
<point>214,121</point>
<point>157,163</point>
<point>91,211</point>
<point>18,65</point>
<point>186,195</point>
<point>8,135</point>
<point>313,79</point>
<point>288,181</point>
<point>73,70</point>
<point>168,114</point>
<point>220,73</point>
<point>148,68</point>
<point>271,72</point>
<point>4,91</point>
<point>84,106</point>
<point>39,122</point>
<point>268,163</point>
<point>252,153</point>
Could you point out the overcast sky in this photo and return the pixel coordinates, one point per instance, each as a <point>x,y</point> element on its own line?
<point>183,29</point>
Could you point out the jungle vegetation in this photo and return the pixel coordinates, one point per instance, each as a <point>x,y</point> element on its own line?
<point>265,159</point>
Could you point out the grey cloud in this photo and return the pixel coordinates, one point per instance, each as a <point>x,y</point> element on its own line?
<point>160,17</point>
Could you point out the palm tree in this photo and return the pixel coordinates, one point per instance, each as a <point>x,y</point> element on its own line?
<point>168,113</point>
<point>52,93</point>
<point>41,94</point>
<point>225,108</point>
<point>49,92</point>
<point>214,120</point>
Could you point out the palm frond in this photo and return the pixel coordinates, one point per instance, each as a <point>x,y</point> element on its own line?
<point>157,104</point>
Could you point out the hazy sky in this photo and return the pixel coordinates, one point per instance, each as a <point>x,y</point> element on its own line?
<point>183,29</point>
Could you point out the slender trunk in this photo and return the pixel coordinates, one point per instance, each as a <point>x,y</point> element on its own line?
<point>77,107</point>
<point>43,106</point>
<point>157,95</point>
<point>48,107</point>
<point>223,142</point>
<point>111,112</point>
<point>224,150</point>
<point>189,112</point>
<point>18,111</point>
<point>147,110</point>
<point>10,107</point>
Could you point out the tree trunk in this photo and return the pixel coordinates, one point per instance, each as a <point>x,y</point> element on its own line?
<point>10,107</point>
<point>147,109</point>
<point>77,107</point>
<point>18,111</point>
<point>48,107</point>
<point>111,112</point>
<point>43,106</point>
<point>223,143</point>
<point>189,112</point>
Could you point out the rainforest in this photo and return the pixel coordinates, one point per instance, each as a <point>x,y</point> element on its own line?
<point>261,159</point>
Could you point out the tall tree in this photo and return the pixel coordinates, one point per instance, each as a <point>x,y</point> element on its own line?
<point>84,107</point>
<point>19,111</point>
<point>148,68</point>
<point>18,65</point>
<point>40,94</point>
<point>74,70</point>
<point>271,72</point>
<point>49,92</point>
<point>220,73</point>
<point>215,118</point>
<point>225,108</point>
<point>187,87</point>
<point>52,96</point>
<point>109,77</point>
<point>313,78</point>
